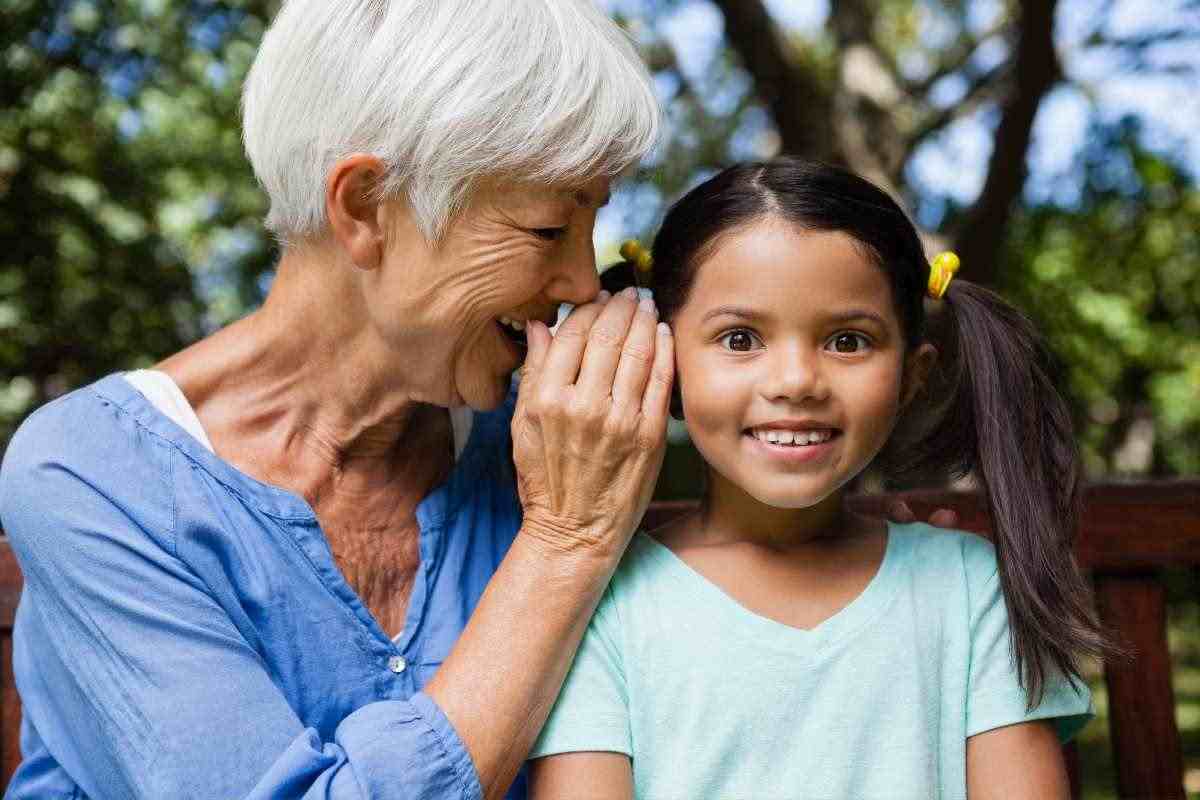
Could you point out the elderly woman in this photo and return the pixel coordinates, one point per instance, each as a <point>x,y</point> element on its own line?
<point>290,561</point>
<point>249,572</point>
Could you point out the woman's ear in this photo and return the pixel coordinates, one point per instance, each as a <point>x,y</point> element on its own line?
<point>352,207</point>
<point>917,367</point>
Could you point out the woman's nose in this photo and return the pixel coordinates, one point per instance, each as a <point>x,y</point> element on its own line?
<point>576,280</point>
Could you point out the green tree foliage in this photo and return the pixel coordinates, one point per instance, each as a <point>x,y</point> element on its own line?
<point>1115,285</point>
<point>129,221</point>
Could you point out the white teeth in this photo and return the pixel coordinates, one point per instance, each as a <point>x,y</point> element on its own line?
<point>515,324</point>
<point>793,437</point>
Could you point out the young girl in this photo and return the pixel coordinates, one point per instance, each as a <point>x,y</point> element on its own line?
<point>775,645</point>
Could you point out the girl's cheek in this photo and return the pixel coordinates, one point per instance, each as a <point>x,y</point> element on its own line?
<point>875,401</point>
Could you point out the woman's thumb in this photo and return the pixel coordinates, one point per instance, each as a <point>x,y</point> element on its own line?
<point>537,338</point>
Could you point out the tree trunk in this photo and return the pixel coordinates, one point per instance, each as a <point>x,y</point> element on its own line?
<point>985,228</point>
<point>799,103</point>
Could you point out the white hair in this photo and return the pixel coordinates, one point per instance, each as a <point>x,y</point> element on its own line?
<point>445,92</point>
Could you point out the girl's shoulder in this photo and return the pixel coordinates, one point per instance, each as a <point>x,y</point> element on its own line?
<point>652,575</point>
<point>945,553</point>
<point>646,558</point>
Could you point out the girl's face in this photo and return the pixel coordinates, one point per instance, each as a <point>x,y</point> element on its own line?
<point>791,362</point>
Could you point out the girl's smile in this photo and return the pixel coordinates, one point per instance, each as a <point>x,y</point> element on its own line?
<point>793,443</point>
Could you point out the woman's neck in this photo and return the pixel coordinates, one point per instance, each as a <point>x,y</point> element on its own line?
<point>302,390</point>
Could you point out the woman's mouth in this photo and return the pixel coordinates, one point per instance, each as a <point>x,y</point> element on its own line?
<point>513,330</point>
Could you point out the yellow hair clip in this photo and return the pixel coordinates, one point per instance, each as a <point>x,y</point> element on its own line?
<point>941,272</point>
<point>633,252</point>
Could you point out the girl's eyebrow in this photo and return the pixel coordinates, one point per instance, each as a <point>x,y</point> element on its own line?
<point>742,312</point>
<point>856,314</point>
<point>733,311</point>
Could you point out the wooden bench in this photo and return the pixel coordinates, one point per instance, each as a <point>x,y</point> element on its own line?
<point>1129,534</point>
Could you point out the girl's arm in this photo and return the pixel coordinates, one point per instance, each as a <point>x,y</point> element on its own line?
<point>1023,760</point>
<point>582,776</point>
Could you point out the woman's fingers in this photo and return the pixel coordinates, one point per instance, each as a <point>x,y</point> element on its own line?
<point>656,401</point>
<point>565,352</point>
<point>537,337</point>
<point>900,512</point>
<point>636,359</point>
<point>944,518</point>
<point>584,484</point>
<point>605,344</point>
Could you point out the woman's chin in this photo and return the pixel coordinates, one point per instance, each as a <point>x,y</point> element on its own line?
<point>485,393</point>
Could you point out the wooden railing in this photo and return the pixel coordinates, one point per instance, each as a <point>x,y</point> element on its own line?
<point>1129,534</point>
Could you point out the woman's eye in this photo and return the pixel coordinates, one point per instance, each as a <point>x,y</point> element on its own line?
<point>549,234</point>
<point>849,343</point>
<point>739,341</point>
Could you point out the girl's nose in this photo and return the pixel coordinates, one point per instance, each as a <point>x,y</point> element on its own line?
<point>576,280</point>
<point>795,376</point>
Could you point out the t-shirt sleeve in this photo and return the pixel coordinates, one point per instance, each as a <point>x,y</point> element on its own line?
<point>592,711</point>
<point>994,694</point>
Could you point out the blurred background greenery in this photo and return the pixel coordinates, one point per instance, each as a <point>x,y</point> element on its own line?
<point>1054,143</point>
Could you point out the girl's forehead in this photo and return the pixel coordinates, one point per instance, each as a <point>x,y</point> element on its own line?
<point>775,263</point>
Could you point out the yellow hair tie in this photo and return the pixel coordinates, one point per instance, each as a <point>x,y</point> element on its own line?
<point>941,272</point>
<point>632,251</point>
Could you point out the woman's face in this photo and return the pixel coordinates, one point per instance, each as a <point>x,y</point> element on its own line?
<point>790,361</point>
<point>515,252</point>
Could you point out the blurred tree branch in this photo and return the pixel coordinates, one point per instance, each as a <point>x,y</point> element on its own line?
<point>800,101</point>
<point>1036,70</point>
<point>872,108</point>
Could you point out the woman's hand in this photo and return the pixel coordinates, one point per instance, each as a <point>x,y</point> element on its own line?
<point>942,518</point>
<point>589,432</point>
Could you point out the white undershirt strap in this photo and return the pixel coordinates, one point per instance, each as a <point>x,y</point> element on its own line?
<point>164,394</point>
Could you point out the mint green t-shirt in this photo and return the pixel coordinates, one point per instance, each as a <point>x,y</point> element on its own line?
<point>713,701</point>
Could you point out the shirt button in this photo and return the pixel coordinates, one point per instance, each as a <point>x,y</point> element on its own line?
<point>397,664</point>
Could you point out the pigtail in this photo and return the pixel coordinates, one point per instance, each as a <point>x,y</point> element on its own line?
<point>1013,430</point>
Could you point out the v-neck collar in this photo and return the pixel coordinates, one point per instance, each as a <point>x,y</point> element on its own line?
<point>844,623</point>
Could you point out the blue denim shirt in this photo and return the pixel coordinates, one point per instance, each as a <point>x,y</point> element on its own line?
<point>185,632</point>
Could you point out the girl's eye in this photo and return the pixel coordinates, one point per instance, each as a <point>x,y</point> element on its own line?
<point>549,234</point>
<point>849,343</point>
<point>739,341</point>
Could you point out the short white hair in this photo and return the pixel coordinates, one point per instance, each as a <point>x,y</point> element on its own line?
<point>445,92</point>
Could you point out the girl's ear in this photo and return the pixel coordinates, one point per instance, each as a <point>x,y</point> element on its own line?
<point>917,366</point>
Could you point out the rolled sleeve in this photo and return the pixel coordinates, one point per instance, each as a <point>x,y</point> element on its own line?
<point>410,743</point>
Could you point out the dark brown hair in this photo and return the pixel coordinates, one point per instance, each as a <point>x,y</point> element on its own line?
<point>991,409</point>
